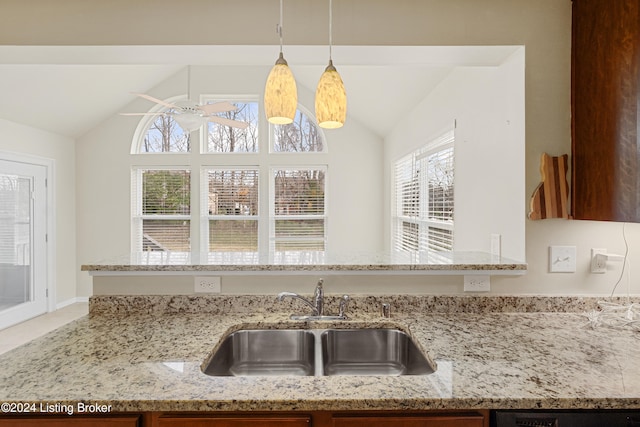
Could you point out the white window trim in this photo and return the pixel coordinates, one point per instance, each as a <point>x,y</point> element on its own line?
<point>198,160</point>
<point>136,202</point>
<point>205,217</point>
<point>272,217</point>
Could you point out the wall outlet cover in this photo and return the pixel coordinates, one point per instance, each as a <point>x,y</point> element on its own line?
<point>477,283</point>
<point>598,264</point>
<point>207,284</point>
<point>562,259</point>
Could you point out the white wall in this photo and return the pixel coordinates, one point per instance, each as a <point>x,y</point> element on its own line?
<point>542,26</point>
<point>22,139</point>
<point>354,160</point>
<point>487,105</point>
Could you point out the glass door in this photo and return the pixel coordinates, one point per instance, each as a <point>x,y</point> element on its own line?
<point>23,240</point>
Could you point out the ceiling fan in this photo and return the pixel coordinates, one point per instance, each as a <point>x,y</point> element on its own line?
<point>191,116</point>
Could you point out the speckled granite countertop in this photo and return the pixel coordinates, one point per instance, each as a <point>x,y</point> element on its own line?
<point>148,357</point>
<point>312,261</point>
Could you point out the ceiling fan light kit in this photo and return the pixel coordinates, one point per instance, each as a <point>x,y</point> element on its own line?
<point>191,116</point>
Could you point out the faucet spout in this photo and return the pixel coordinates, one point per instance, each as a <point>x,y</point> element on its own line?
<point>282,295</point>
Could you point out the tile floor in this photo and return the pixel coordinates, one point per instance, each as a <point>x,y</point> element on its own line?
<point>15,336</point>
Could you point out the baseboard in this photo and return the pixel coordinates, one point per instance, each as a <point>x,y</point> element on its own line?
<point>71,301</point>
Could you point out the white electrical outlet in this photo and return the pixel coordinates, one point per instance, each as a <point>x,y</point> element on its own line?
<point>207,284</point>
<point>598,264</point>
<point>562,259</point>
<point>477,283</point>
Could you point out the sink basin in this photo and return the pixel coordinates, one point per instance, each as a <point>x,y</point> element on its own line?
<point>318,352</point>
<point>372,352</point>
<point>264,352</point>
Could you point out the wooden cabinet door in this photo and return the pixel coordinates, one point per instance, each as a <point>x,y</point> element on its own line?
<point>470,420</point>
<point>605,86</point>
<point>126,421</point>
<point>234,421</point>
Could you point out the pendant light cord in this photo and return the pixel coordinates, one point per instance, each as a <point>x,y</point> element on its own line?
<point>330,27</point>
<point>279,27</point>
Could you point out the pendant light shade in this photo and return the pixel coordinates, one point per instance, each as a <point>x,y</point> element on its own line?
<point>331,99</point>
<point>280,94</point>
<point>280,91</point>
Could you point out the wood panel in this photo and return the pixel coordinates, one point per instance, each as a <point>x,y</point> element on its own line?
<point>471,420</point>
<point>605,82</point>
<point>234,421</point>
<point>110,421</point>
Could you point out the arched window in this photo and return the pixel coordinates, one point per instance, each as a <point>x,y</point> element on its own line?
<point>301,136</point>
<point>159,132</point>
<point>227,139</point>
<point>249,203</point>
<point>164,135</point>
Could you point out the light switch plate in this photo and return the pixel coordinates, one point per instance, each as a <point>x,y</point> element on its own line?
<point>562,259</point>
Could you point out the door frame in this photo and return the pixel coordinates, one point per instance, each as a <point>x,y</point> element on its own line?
<point>49,165</point>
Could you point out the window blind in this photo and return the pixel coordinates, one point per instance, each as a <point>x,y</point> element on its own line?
<point>424,198</point>
<point>232,210</point>
<point>15,224</point>
<point>162,208</point>
<point>298,209</point>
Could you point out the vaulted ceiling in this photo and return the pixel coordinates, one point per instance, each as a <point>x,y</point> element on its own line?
<point>70,90</point>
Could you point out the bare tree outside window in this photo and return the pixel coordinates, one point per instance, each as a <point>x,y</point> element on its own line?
<point>165,136</point>
<point>227,139</point>
<point>300,136</point>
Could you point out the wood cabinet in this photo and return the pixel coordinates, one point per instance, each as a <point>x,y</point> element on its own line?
<point>264,419</point>
<point>462,420</point>
<point>72,421</point>
<point>232,421</point>
<point>605,81</point>
<point>325,419</point>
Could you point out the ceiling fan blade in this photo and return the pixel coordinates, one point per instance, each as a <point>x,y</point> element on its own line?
<point>141,114</point>
<point>217,107</point>
<point>228,122</point>
<point>156,100</point>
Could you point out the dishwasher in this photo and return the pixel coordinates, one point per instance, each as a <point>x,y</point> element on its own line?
<point>599,418</point>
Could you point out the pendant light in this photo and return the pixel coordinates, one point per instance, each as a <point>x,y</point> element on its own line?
<point>331,98</point>
<point>280,92</point>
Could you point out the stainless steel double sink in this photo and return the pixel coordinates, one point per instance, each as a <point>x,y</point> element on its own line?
<point>318,352</point>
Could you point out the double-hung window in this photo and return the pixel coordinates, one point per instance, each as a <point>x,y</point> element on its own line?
<point>298,214</point>
<point>424,199</point>
<point>257,190</point>
<point>231,203</point>
<point>162,209</point>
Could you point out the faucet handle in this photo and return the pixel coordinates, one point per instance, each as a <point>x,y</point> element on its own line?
<point>343,305</point>
<point>386,310</point>
<point>318,298</point>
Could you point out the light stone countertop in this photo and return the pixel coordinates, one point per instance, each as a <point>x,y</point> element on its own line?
<point>150,361</point>
<point>312,261</point>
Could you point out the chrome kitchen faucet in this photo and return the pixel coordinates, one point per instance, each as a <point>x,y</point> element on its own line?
<point>317,305</point>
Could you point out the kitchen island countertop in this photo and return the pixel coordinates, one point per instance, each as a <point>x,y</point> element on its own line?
<point>152,362</point>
